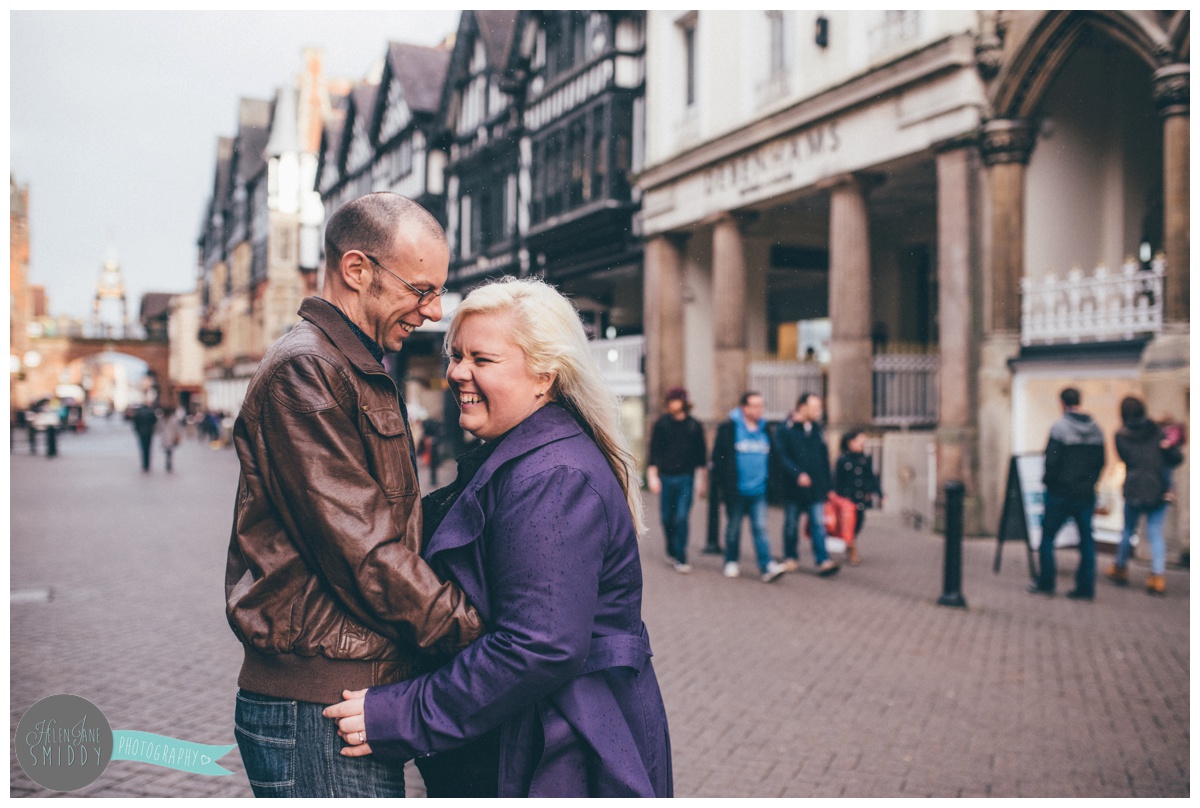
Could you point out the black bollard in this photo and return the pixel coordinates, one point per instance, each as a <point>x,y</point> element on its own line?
<point>952,575</point>
<point>712,545</point>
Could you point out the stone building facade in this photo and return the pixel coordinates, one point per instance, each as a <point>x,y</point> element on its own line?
<point>258,244</point>
<point>20,304</point>
<point>878,185</point>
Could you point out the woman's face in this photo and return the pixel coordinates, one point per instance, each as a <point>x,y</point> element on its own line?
<point>491,381</point>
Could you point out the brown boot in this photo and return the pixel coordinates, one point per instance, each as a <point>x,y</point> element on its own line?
<point>1118,575</point>
<point>1156,585</point>
<point>852,555</point>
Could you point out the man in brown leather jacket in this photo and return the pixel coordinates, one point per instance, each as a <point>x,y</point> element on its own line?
<point>324,583</point>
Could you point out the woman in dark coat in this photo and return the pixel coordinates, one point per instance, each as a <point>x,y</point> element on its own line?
<point>855,479</point>
<point>1147,455</point>
<point>540,531</point>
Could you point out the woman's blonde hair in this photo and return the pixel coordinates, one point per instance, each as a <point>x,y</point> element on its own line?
<point>547,328</point>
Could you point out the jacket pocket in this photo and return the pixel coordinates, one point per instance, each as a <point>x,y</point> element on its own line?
<point>389,452</point>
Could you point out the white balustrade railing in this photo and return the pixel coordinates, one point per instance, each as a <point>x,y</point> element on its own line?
<point>1103,306</point>
<point>781,383</point>
<point>620,361</point>
<point>904,389</point>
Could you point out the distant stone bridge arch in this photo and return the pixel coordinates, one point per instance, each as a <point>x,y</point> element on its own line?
<point>57,353</point>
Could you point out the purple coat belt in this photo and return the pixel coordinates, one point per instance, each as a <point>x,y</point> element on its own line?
<point>542,543</point>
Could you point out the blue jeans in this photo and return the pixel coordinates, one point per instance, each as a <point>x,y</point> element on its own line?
<point>1154,532</point>
<point>791,530</point>
<point>1058,510</point>
<point>291,750</point>
<point>756,508</point>
<point>676,506</point>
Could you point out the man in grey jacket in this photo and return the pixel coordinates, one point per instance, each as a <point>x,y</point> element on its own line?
<point>1074,460</point>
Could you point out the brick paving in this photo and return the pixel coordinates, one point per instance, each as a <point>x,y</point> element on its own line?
<point>854,686</point>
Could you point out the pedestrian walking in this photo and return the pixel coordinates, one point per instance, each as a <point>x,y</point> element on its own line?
<point>170,433</point>
<point>559,698</point>
<point>856,480</point>
<point>31,428</point>
<point>741,459</point>
<point>677,450</point>
<point>1074,460</point>
<point>324,583</point>
<point>145,420</point>
<point>1149,455</point>
<point>800,444</point>
<point>433,447</point>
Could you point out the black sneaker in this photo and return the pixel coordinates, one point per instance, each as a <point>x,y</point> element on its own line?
<point>1075,594</point>
<point>1034,589</point>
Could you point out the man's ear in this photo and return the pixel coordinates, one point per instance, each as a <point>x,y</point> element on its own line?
<point>352,266</point>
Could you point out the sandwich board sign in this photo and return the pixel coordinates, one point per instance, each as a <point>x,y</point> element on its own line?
<point>1025,508</point>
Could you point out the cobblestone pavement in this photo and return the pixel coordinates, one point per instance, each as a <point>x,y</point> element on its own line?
<point>854,686</point>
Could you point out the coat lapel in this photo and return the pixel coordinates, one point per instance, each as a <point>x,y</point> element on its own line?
<point>465,521</point>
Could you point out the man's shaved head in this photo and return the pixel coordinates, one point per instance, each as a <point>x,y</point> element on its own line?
<point>371,223</point>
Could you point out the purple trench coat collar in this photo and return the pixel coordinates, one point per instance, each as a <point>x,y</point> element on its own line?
<point>611,704</point>
<point>464,523</point>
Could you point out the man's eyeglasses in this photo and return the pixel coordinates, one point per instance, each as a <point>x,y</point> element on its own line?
<point>423,296</point>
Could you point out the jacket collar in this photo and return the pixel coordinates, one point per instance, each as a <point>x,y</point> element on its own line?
<point>549,424</point>
<point>325,316</point>
<point>464,523</point>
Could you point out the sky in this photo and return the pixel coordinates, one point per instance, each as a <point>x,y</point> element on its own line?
<point>114,120</point>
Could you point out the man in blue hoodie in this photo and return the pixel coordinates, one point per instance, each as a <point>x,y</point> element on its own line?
<point>1074,460</point>
<point>740,461</point>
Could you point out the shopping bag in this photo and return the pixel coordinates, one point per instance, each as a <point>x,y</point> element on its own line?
<point>844,519</point>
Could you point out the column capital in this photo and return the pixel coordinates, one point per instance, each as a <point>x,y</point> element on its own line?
<point>1172,87</point>
<point>676,238</point>
<point>1006,140</point>
<point>967,140</point>
<point>864,181</point>
<point>741,219</point>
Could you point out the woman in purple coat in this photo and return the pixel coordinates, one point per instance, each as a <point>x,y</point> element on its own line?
<point>540,531</point>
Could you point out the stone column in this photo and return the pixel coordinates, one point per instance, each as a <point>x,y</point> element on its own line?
<point>1166,362</point>
<point>663,288</point>
<point>849,392</point>
<point>958,301</point>
<point>1171,86</point>
<point>1005,146</point>
<point>729,313</point>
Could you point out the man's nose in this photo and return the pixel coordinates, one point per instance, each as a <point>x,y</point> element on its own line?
<point>433,308</point>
